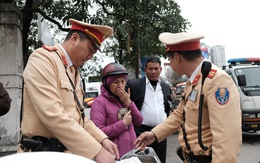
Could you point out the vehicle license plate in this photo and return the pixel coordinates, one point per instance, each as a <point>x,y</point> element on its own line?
<point>254,125</point>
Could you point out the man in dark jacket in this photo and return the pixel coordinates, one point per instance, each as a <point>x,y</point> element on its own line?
<point>153,98</point>
<point>5,100</point>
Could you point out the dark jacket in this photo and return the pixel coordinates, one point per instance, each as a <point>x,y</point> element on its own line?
<point>137,87</point>
<point>5,100</point>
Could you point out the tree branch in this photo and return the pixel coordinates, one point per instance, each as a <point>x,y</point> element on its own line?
<point>104,8</point>
<point>47,17</point>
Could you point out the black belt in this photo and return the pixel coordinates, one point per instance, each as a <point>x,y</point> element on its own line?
<point>199,159</point>
<point>40,143</point>
<point>191,158</point>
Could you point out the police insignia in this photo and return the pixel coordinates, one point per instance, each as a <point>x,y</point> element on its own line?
<point>49,48</point>
<point>195,81</point>
<point>212,73</point>
<point>222,95</point>
<point>64,60</point>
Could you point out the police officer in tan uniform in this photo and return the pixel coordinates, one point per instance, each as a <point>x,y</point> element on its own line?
<point>5,100</point>
<point>53,116</point>
<point>212,133</point>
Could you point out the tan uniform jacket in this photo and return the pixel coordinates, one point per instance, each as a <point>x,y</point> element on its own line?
<point>49,108</point>
<point>5,100</point>
<point>221,123</point>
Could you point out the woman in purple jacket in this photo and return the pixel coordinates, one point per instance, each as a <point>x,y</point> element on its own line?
<point>113,111</point>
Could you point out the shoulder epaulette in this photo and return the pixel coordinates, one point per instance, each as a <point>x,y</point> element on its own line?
<point>212,73</point>
<point>49,48</point>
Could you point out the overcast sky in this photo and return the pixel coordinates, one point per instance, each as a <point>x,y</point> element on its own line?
<point>234,24</point>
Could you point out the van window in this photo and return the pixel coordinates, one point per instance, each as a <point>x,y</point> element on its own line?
<point>253,82</point>
<point>230,74</point>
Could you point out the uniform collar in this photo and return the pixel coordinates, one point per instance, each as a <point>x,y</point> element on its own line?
<point>66,55</point>
<point>195,72</point>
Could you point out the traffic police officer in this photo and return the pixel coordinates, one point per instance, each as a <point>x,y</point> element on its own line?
<point>210,129</point>
<point>53,116</point>
<point>5,100</point>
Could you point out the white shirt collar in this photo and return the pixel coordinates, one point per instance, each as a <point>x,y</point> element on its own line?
<point>148,81</point>
<point>66,55</point>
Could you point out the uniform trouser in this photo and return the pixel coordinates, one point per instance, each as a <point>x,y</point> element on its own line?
<point>203,159</point>
<point>200,159</point>
<point>159,148</point>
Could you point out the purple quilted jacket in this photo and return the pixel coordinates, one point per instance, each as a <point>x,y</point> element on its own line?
<point>104,113</point>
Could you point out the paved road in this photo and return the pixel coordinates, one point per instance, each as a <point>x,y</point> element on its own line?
<point>249,152</point>
<point>250,149</point>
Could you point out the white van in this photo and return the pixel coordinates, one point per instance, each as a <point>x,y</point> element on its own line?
<point>92,90</point>
<point>246,74</point>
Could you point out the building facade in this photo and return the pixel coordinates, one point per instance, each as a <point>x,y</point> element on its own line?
<point>217,54</point>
